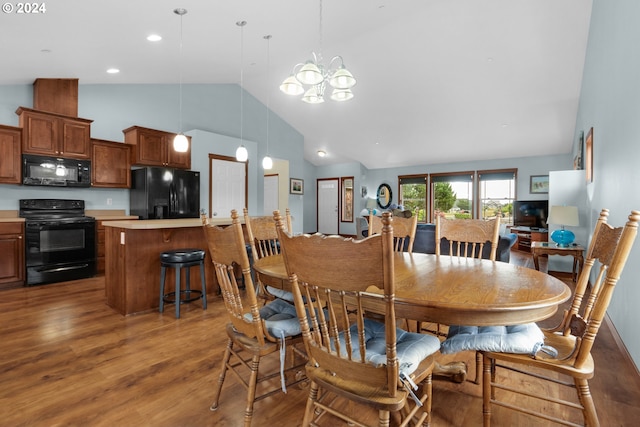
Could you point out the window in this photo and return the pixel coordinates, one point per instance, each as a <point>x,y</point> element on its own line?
<point>497,192</point>
<point>413,194</point>
<point>452,195</point>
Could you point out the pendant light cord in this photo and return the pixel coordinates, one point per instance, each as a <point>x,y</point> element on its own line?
<point>268,38</point>
<point>181,65</point>
<point>241,24</point>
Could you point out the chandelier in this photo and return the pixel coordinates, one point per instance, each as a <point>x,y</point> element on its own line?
<point>316,77</point>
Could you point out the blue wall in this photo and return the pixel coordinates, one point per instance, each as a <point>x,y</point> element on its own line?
<point>610,103</point>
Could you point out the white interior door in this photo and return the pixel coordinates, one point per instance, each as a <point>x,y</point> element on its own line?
<point>327,206</point>
<point>228,191</point>
<point>271,194</point>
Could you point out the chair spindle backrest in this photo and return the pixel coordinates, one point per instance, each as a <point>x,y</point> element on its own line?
<point>404,230</point>
<point>468,237</point>
<point>610,247</point>
<point>330,276</point>
<point>261,231</point>
<point>227,249</point>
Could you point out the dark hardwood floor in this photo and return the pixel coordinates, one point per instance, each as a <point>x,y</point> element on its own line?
<point>67,359</point>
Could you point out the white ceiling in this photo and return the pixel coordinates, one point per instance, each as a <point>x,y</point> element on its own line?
<point>438,80</point>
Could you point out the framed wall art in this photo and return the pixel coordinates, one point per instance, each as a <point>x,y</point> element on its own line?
<point>588,155</point>
<point>539,184</point>
<point>578,159</point>
<point>347,198</point>
<point>296,186</point>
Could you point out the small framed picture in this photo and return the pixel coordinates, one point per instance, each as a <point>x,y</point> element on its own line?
<point>539,184</point>
<point>296,186</point>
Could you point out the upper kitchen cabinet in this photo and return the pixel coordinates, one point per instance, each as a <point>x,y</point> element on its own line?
<point>111,164</point>
<point>51,134</point>
<point>10,140</point>
<point>58,96</point>
<point>151,147</point>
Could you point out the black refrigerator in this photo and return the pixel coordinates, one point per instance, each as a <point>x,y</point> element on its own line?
<point>158,193</point>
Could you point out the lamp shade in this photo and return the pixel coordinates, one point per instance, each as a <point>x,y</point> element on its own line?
<point>563,215</point>
<point>371,203</point>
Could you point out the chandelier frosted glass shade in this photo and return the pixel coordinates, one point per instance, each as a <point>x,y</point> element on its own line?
<point>180,143</point>
<point>291,86</point>
<point>342,79</point>
<point>312,96</point>
<point>242,154</point>
<point>309,74</point>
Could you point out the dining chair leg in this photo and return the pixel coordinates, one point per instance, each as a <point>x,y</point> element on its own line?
<point>487,390</point>
<point>428,387</point>
<point>223,372</point>
<point>478,367</point>
<point>584,395</point>
<point>251,393</point>
<point>383,418</point>
<point>310,408</point>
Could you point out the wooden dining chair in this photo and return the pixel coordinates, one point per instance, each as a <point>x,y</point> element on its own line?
<point>263,239</point>
<point>351,356</point>
<point>254,332</point>
<point>571,341</point>
<point>404,230</point>
<point>467,238</point>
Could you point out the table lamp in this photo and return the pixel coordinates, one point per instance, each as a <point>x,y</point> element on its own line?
<point>563,216</point>
<point>371,204</point>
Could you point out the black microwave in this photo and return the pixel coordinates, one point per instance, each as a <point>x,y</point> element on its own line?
<point>55,171</point>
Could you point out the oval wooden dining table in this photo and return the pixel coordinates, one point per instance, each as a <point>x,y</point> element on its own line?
<point>457,291</point>
<point>453,290</point>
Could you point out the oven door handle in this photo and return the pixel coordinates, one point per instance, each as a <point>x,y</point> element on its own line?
<point>58,269</point>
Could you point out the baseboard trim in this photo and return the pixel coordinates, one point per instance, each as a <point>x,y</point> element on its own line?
<point>620,344</point>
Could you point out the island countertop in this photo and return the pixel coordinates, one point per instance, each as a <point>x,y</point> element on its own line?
<point>155,224</point>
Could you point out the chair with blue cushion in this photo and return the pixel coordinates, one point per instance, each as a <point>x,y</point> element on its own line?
<point>466,238</point>
<point>254,332</point>
<point>557,353</point>
<point>352,358</point>
<point>263,241</point>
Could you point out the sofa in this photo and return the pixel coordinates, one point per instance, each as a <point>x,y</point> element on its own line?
<point>425,241</point>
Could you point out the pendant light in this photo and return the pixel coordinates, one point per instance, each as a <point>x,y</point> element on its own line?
<point>241,153</point>
<point>180,142</point>
<point>267,162</point>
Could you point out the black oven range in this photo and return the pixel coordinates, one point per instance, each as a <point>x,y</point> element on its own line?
<point>60,242</point>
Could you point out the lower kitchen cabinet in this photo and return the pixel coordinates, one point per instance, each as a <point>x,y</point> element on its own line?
<point>12,250</point>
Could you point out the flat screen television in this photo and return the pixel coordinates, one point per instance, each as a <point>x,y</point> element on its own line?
<point>530,213</point>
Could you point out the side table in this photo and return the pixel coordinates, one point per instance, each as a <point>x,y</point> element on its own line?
<point>549,248</point>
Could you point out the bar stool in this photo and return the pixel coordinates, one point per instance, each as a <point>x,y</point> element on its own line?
<point>178,259</point>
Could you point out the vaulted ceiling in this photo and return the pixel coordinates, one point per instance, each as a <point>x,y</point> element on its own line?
<point>438,80</point>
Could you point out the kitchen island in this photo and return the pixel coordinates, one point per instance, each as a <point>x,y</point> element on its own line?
<point>132,259</point>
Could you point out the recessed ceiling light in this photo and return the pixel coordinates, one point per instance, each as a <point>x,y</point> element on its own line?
<point>154,38</point>
<point>322,153</point>
<point>113,71</point>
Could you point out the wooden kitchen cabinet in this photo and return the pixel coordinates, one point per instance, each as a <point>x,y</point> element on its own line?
<point>51,134</point>
<point>151,147</point>
<point>110,164</point>
<point>10,161</point>
<point>526,236</point>
<point>12,250</point>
